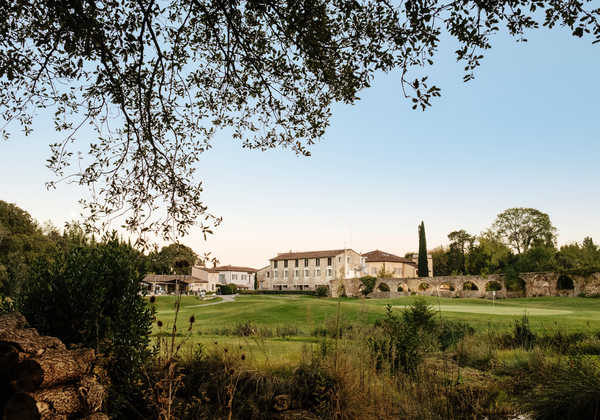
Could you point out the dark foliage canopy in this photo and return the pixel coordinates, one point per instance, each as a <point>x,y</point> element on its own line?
<point>155,80</point>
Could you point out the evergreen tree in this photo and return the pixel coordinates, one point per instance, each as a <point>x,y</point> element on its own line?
<point>423,269</point>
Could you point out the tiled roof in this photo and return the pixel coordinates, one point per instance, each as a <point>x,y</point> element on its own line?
<point>172,278</point>
<point>309,254</point>
<point>381,256</point>
<point>235,268</point>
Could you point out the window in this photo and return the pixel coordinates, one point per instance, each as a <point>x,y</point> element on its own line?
<point>329,271</point>
<point>306,272</point>
<point>318,272</point>
<point>348,259</point>
<point>221,278</point>
<point>274,274</point>
<point>285,263</point>
<point>317,262</point>
<point>234,277</point>
<point>268,274</point>
<point>363,260</point>
<point>285,274</point>
<point>296,263</point>
<point>329,261</point>
<point>244,276</point>
<point>306,262</point>
<point>274,264</point>
<point>339,259</point>
<point>296,273</point>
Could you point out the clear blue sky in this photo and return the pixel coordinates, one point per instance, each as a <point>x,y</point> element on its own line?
<point>524,133</point>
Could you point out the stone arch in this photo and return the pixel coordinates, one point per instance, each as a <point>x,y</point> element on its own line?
<point>470,286</point>
<point>493,286</point>
<point>514,284</point>
<point>565,282</point>
<point>447,287</point>
<point>402,287</point>
<point>424,286</point>
<point>383,287</point>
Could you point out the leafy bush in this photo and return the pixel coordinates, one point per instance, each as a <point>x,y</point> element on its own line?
<point>227,289</point>
<point>470,286</point>
<point>522,334</point>
<point>368,284</point>
<point>493,286</point>
<point>6,305</point>
<point>383,287</point>
<point>450,333</point>
<point>567,390</point>
<point>322,291</point>
<point>91,295</point>
<point>400,345</point>
<point>421,315</point>
<point>245,329</point>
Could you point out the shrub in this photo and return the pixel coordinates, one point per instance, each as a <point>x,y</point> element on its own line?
<point>368,283</point>
<point>227,289</point>
<point>245,329</point>
<point>420,314</point>
<point>568,390</point>
<point>522,334</point>
<point>470,286</point>
<point>450,333</point>
<point>399,347</point>
<point>91,295</point>
<point>383,287</point>
<point>322,291</point>
<point>493,286</point>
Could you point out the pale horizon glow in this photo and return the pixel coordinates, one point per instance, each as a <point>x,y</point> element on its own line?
<point>524,133</point>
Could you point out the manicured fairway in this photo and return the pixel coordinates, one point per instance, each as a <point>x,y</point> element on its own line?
<point>214,324</point>
<point>493,309</point>
<point>307,313</point>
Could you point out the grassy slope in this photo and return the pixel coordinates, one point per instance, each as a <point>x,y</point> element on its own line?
<point>307,313</point>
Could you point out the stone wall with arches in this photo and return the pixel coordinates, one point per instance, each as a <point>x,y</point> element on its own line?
<point>535,284</point>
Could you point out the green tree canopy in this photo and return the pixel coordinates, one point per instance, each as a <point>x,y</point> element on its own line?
<point>522,228</point>
<point>157,79</point>
<point>172,259</point>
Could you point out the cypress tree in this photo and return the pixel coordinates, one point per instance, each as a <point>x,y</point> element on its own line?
<point>423,269</point>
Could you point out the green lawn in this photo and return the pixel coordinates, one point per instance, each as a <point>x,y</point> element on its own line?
<point>308,312</point>
<point>305,313</point>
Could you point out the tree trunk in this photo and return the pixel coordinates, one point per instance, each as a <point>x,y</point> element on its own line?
<point>55,404</point>
<point>52,368</point>
<point>29,341</point>
<point>96,416</point>
<point>92,393</point>
<point>12,321</point>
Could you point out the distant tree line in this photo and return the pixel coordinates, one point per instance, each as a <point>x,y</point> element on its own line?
<point>520,240</point>
<point>23,241</point>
